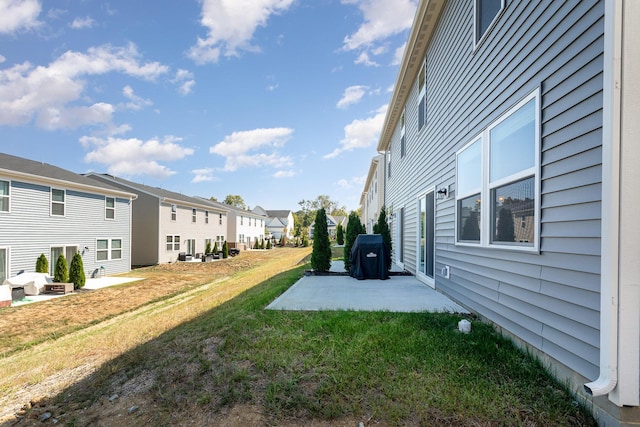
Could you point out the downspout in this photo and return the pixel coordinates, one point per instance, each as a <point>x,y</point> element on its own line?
<point>609,274</point>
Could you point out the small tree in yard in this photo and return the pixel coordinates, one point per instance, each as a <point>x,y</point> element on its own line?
<point>321,255</point>
<point>225,250</point>
<point>207,249</point>
<point>76,272</point>
<point>215,248</point>
<point>42,264</point>
<point>382,227</point>
<point>354,227</point>
<point>61,274</point>
<point>268,244</point>
<point>305,241</point>
<point>256,244</point>
<point>340,235</point>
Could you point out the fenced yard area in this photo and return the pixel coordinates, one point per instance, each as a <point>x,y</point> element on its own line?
<point>192,345</point>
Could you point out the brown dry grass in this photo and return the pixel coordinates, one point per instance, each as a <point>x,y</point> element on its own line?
<point>52,344</point>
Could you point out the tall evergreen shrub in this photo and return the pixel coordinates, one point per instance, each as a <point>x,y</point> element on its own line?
<point>42,264</point>
<point>340,235</point>
<point>321,254</point>
<point>225,250</point>
<point>76,272</point>
<point>61,274</point>
<point>354,227</point>
<point>382,227</point>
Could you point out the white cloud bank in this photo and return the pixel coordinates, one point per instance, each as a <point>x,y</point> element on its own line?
<point>82,23</point>
<point>239,148</point>
<point>361,133</point>
<point>131,156</point>
<point>51,94</point>
<point>230,26</point>
<point>17,15</point>
<point>382,19</point>
<point>352,95</point>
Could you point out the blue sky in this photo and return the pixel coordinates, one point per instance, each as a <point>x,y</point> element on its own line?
<point>273,100</point>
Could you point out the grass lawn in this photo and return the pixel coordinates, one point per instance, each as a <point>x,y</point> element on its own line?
<point>235,363</point>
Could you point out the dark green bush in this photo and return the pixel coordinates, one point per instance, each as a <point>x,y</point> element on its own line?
<point>61,274</point>
<point>76,272</point>
<point>321,254</point>
<point>42,264</point>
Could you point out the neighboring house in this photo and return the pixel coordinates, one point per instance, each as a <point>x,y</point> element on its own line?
<point>278,222</point>
<point>512,153</point>
<point>166,223</point>
<point>245,227</point>
<point>48,210</point>
<point>372,199</point>
<point>332,225</point>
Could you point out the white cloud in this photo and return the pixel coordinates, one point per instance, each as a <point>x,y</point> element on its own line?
<point>16,15</point>
<point>285,174</point>
<point>44,93</point>
<point>230,26</point>
<point>2,59</point>
<point>135,102</point>
<point>382,19</point>
<point>237,146</point>
<point>361,133</point>
<point>132,156</point>
<point>397,56</point>
<point>203,175</point>
<point>185,81</point>
<point>81,23</point>
<point>352,95</point>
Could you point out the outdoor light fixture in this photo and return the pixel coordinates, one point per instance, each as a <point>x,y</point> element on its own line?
<point>442,193</point>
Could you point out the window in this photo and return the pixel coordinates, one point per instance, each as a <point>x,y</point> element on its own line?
<point>174,212</point>
<point>389,163</point>
<point>241,220</point>
<point>109,208</point>
<point>173,243</point>
<point>403,140</point>
<point>220,220</point>
<point>426,243</point>
<point>191,246</point>
<point>57,202</point>
<point>497,204</point>
<point>422,96</point>
<point>4,264</point>
<point>4,197</point>
<point>206,217</point>
<point>485,13</point>
<point>193,215</point>
<point>107,249</point>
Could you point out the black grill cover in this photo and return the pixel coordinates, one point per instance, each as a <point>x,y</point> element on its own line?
<point>369,257</point>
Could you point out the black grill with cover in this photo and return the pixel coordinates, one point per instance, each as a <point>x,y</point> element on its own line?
<point>369,257</point>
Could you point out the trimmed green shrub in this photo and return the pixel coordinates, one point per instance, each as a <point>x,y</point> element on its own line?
<point>321,254</point>
<point>225,250</point>
<point>215,248</point>
<point>256,244</point>
<point>305,241</point>
<point>61,274</point>
<point>268,244</point>
<point>76,272</point>
<point>340,235</point>
<point>382,227</point>
<point>207,249</point>
<point>354,227</point>
<point>42,264</point>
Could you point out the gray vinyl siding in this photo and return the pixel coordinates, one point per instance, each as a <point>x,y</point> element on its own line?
<point>29,230</point>
<point>549,299</point>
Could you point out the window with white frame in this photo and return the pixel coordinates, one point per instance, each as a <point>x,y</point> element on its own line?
<point>403,140</point>
<point>174,212</point>
<point>220,219</point>
<point>57,202</point>
<point>194,215</point>
<point>109,208</point>
<point>422,96</point>
<point>485,12</point>
<point>108,249</point>
<point>241,220</point>
<point>206,217</point>
<point>389,163</point>
<point>4,264</point>
<point>173,242</point>
<point>5,196</point>
<point>497,197</point>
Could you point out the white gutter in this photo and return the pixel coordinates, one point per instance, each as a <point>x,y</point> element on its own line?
<point>609,274</point>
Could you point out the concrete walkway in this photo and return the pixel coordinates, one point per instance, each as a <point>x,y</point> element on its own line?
<point>398,294</point>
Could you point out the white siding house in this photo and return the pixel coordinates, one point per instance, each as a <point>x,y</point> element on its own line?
<point>48,210</point>
<point>372,199</point>
<point>245,227</point>
<point>511,151</point>
<point>166,224</point>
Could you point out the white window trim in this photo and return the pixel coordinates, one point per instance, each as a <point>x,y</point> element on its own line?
<point>63,203</point>
<point>110,249</point>
<point>107,208</point>
<point>7,260</point>
<point>422,94</point>
<point>477,42</point>
<point>419,273</point>
<point>8,196</point>
<point>485,190</point>
<point>206,217</point>
<point>194,215</point>
<point>173,242</point>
